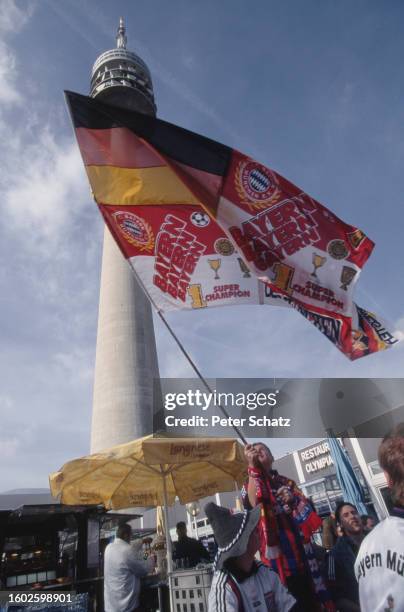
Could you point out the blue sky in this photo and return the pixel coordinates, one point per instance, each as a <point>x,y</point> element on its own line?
<point>314,89</point>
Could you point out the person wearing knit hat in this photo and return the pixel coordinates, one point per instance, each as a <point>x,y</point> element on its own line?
<point>240,583</point>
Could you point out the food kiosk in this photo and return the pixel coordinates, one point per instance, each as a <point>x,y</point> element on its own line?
<point>57,547</point>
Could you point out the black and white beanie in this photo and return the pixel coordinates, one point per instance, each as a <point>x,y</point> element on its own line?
<point>232,531</point>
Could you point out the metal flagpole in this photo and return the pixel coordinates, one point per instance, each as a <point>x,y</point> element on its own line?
<point>184,352</point>
<point>197,371</point>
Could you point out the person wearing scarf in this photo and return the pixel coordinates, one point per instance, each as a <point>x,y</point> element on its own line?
<point>286,525</point>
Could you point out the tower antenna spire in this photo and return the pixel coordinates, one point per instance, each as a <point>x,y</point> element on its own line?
<point>121,39</point>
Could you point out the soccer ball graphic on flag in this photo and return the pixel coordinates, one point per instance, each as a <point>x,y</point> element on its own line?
<point>200,219</point>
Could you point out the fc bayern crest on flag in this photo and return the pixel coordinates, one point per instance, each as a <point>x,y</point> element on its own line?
<point>256,185</point>
<point>135,230</point>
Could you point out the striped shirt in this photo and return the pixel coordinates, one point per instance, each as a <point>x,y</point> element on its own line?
<point>261,591</point>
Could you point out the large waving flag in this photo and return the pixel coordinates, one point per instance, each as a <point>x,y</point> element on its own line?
<point>204,225</point>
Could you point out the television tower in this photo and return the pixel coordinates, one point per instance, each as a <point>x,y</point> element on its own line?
<point>126,391</point>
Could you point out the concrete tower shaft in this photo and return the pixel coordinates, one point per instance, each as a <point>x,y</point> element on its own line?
<point>126,368</point>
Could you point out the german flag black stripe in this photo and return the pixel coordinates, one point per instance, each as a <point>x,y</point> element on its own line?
<point>173,141</point>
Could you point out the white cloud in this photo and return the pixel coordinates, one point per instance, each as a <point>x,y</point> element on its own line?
<point>6,403</point>
<point>12,20</point>
<point>8,91</point>
<point>399,330</point>
<point>42,184</point>
<point>75,365</point>
<point>9,444</point>
<point>45,186</point>
<point>9,448</point>
<point>12,17</point>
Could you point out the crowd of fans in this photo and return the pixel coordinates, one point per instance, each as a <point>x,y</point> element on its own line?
<point>268,559</point>
<point>359,566</point>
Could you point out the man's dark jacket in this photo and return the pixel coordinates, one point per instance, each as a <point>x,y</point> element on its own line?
<point>341,570</point>
<point>190,549</point>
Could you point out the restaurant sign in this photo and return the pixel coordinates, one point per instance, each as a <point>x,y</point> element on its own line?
<point>316,458</point>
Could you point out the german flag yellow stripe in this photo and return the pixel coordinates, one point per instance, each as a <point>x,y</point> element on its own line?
<point>131,186</point>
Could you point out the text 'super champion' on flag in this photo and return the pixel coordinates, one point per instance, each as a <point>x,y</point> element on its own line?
<point>204,225</point>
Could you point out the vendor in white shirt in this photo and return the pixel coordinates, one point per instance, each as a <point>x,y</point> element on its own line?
<point>379,565</point>
<point>122,573</point>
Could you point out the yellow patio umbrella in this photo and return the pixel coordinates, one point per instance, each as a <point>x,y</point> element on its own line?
<point>152,471</point>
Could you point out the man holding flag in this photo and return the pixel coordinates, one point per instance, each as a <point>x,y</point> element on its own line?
<point>286,524</point>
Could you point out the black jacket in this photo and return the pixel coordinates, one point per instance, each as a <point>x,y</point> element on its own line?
<point>190,549</point>
<point>341,570</point>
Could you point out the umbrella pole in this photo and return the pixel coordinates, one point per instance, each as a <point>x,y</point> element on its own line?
<point>166,528</point>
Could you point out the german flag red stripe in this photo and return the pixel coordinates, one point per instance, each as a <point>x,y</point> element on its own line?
<point>116,147</point>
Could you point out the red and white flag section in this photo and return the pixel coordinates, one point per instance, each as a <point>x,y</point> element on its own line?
<point>203,225</point>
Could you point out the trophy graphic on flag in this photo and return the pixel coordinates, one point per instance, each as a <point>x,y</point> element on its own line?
<point>318,261</point>
<point>347,276</point>
<point>215,265</point>
<point>243,268</point>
